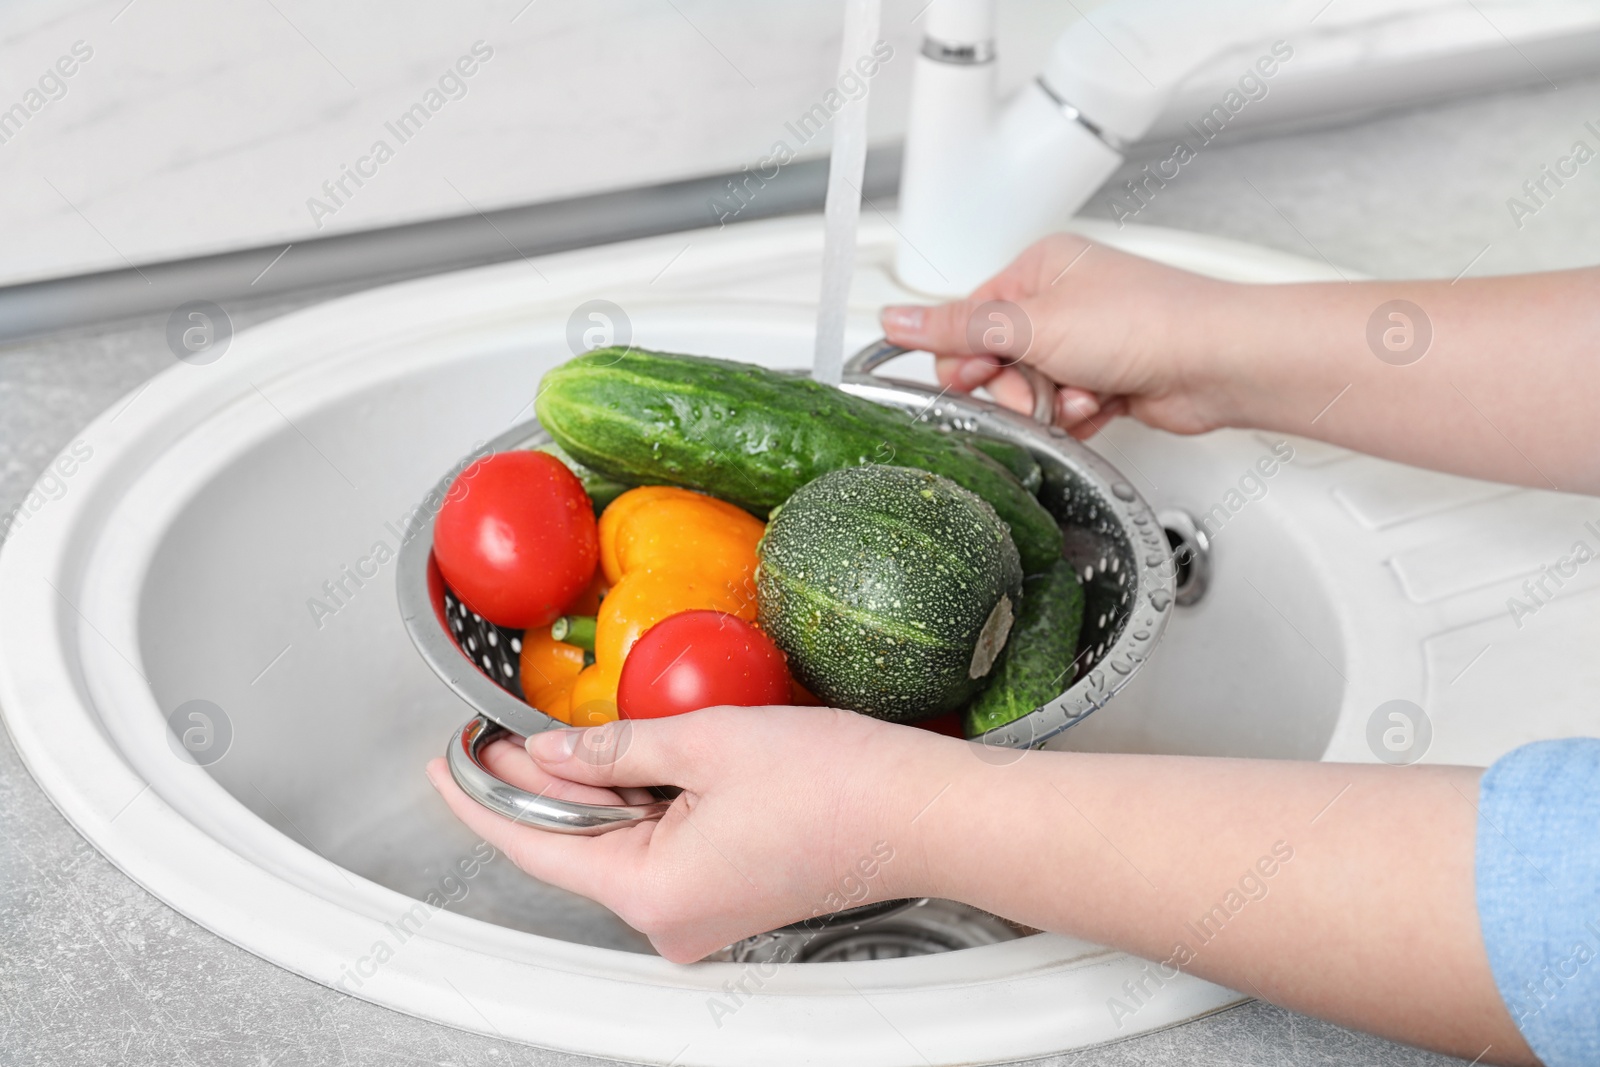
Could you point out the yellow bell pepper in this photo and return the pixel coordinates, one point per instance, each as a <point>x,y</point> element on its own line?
<point>659,527</point>
<point>665,550</point>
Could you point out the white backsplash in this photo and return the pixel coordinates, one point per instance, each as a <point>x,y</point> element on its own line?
<point>198,126</point>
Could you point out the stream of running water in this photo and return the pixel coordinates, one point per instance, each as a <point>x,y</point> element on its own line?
<point>842,213</point>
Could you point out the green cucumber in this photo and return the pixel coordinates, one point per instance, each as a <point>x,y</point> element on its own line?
<point>891,590</point>
<point>753,437</point>
<point>1013,457</point>
<point>1038,662</point>
<point>601,490</point>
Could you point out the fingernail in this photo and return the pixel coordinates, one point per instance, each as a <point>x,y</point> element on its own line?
<point>905,321</point>
<point>553,746</point>
<point>1078,408</point>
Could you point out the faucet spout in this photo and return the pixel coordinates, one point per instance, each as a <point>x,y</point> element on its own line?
<point>981,180</point>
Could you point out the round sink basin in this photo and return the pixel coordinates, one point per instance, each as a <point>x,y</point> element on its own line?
<point>220,575</point>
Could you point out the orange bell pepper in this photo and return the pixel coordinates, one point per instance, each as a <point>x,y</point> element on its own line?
<point>665,550</point>
<point>549,667</point>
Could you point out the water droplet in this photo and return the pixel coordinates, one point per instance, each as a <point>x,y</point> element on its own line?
<point>1159,600</point>
<point>1123,491</point>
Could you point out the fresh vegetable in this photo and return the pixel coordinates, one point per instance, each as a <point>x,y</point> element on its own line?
<point>661,527</point>
<point>890,589</point>
<point>668,550</point>
<point>1013,457</point>
<point>700,659</point>
<point>575,630</point>
<point>754,437</point>
<point>635,604</point>
<point>516,538</point>
<point>643,598</point>
<point>1037,664</point>
<point>548,665</point>
<point>601,490</point>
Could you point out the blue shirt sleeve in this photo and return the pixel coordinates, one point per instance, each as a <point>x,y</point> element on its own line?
<point>1538,889</point>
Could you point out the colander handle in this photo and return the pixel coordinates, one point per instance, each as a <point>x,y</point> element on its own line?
<point>465,759</point>
<point>861,365</point>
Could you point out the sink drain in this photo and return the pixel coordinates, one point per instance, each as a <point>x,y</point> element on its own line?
<point>1191,556</point>
<point>916,928</point>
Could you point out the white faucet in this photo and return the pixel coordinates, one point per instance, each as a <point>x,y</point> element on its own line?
<point>982,178</point>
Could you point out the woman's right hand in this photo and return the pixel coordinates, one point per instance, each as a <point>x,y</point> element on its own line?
<point>1120,334</point>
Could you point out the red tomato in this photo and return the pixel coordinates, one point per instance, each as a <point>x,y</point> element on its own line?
<point>516,538</point>
<point>700,659</point>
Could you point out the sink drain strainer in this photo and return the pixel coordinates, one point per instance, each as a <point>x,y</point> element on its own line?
<point>888,931</point>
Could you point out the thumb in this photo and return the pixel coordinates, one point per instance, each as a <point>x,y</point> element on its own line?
<point>999,329</point>
<point>628,752</point>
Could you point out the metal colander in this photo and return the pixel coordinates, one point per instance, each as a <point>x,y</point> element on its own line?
<point>1113,540</point>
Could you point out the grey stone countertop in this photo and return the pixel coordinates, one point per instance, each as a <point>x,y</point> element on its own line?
<point>94,970</point>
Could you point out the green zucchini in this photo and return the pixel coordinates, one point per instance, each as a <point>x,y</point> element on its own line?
<point>1038,662</point>
<point>601,490</point>
<point>891,590</point>
<point>753,437</point>
<point>1013,457</point>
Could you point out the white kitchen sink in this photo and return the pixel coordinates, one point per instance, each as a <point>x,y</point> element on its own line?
<point>182,561</point>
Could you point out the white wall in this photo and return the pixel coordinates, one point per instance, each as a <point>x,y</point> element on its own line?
<point>206,125</point>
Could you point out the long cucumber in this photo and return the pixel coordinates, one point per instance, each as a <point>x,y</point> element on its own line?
<point>753,437</point>
<point>1014,458</point>
<point>1037,664</point>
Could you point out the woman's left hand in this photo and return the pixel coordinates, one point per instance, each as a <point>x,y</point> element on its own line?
<point>785,813</point>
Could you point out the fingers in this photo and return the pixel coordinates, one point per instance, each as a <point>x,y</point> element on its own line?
<point>1078,411</point>
<point>924,328</point>
<point>951,329</point>
<point>954,329</point>
<point>1089,427</point>
<point>1075,406</point>
<point>964,373</point>
<point>629,752</point>
<point>510,762</point>
<point>975,343</point>
<point>1011,390</point>
<point>500,832</point>
<point>594,867</point>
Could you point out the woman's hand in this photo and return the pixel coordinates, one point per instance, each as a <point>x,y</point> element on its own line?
<point>1341,890</point>
<point>786,813</point>
<point>1121,334</point>
<point>1464,392</point>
